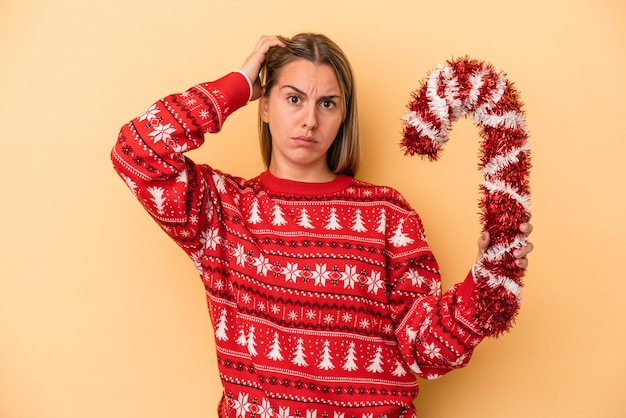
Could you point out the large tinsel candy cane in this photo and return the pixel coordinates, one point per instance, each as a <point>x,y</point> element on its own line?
<point>466,87</point>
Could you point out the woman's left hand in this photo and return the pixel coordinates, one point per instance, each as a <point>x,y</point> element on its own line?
<point>520,254</point>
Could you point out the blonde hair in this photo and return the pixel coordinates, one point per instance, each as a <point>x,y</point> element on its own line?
<point>345,153</point>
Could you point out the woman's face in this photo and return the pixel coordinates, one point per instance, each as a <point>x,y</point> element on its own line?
<point>304,111</point>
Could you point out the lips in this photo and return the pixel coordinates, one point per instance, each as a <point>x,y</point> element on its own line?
<point>306,139</point>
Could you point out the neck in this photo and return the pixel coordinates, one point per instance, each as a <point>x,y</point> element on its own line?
<point>308,175</point>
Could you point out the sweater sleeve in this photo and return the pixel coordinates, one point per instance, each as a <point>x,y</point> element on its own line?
<point>149,154</point>
<point>435,331</point>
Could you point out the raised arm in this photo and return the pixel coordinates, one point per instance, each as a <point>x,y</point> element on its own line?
<point>148,153</point>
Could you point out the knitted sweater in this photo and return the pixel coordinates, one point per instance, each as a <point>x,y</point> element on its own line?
<point>325,298</point>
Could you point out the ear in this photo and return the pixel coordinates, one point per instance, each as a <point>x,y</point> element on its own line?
<point>264,107</point>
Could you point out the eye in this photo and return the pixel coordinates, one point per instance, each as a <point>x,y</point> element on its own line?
<point>328,104</point>
<point>293,99</point>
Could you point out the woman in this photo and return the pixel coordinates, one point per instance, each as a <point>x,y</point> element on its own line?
<point>324,295</point>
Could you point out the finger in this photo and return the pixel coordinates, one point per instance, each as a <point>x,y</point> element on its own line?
<point>483,242</point>
<point>264,44</point>
<point>254,62</point>
<point>522,252</point>
<point>526,228</point>
<point>529,247</point>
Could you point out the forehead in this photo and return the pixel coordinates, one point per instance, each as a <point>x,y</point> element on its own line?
<point>308,76</point>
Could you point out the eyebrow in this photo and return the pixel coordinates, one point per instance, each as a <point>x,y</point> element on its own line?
<point>297,90</point>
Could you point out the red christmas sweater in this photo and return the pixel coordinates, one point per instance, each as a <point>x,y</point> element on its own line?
<point>325,299</point>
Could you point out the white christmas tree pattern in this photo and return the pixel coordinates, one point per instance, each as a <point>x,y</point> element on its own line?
<point>278,216</point>
<point>399,370</point>
<point>304,220</point>
<point>399,238</point>
<point>157,198</point>
<point>350,364</point>
<point>274,353</point>
<point>333,221</point>
<point>219,183</point>
<point>221,327</point>
<point>254,212</point>
<point>250,342</point>
<point>376,362</point>
<point>326,358</point>
<point>299,355</point>
<point>181,177</point>
<point>358,224</point>
<point>242,340</point>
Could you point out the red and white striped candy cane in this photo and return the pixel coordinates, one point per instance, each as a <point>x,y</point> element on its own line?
<point>466,87</point>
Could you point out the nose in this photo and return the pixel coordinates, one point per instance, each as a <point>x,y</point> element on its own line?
<point>310,116</point>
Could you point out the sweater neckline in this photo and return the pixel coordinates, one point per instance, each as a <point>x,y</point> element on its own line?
<point>293,187</point>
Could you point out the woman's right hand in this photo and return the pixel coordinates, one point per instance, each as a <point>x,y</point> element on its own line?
<point>253,64</point>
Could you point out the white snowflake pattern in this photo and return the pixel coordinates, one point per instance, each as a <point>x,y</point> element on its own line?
<point>149,113</point>
<point>265,409</point>
<point>432,351</point>
<point>374,282</point>
<point>310,314</point>
<point>292,315</point>
<point>262,265</point>
<point>162,133</point>
<point>416,278</point>
<point>435,288</point>
<point>283,412</point>
<point>240,254</point>
<point>291,272</point>
<point>211,238</point>
<point>241,405</point>
<point>364,323</point>
<point>245,298</point>
<point>329,319</point>
<point>349,277</point>
<point>346,317</point>
<point>320,274</point>
<point>275,309</point>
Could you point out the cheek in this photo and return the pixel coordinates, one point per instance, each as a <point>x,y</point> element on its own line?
<point>336,126</point>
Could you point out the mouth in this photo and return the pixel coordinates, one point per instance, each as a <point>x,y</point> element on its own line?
<point>305,139</point>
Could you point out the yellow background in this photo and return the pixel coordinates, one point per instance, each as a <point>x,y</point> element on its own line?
<point>102,316</point>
